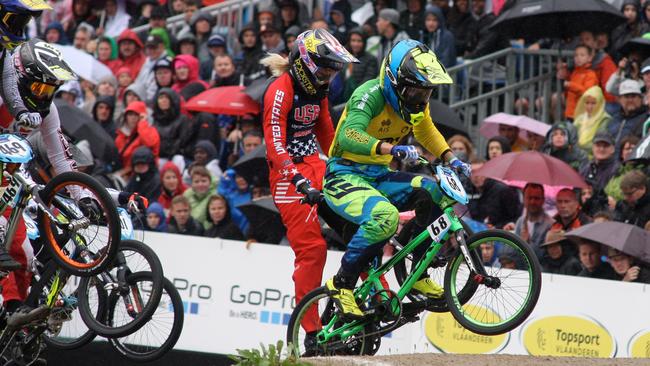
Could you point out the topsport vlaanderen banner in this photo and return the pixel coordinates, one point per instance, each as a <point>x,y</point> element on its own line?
<point>236,298</point>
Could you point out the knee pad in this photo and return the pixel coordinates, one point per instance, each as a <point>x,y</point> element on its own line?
<point>383,224</point>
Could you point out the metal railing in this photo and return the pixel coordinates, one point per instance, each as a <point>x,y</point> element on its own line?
<point>512,80</point>
<point>230,15</point>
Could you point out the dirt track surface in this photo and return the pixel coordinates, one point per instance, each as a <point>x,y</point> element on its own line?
<point>435,359</point>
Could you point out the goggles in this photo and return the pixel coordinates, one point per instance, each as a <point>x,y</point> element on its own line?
<point>415,96</point>
<point>15,22</point>
<point>42,90</point>
<point>325,75</point>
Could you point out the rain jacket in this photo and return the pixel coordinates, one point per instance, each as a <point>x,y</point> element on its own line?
<point>118,22</point>
<point>63,38</point>
<point>460,25</point>
<point>637,214</point>
<point>143,135</point>
<point>235,197</point>
<point>586,125</point>
<point>202,126</point>
<point>166,196</point>
<point>146,184</point>
<point>565,265</point>
<point>213,161</point>
<point>193,64</point>
<point>604,67</point>
<point>113,59</point>
<point>157,209</point>
<point>632,124</point>
<point>135,61</point>
<point>169,124</point>
<point>413,23</point>
<point>441,41</point>
<point>224,229</point>
<point>192,227</point>
<point>581,79</point>
<point>199,203</point>
<point>569,153</point>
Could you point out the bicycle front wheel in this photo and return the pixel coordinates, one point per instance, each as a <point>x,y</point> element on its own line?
<point>87,242</point>
<point>506,296</point>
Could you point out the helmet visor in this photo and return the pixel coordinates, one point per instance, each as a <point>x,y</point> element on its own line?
<point>15,22</point>
<point>42,90</point>
<point>325,74</point>
<point>416,96</point>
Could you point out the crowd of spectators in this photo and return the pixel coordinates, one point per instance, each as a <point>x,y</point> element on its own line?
<point>182,161</point>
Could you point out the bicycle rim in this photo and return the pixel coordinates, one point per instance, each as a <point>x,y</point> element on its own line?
<point>497,310</point>
<point>160,333</point>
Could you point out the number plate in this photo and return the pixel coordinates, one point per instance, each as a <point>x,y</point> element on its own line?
<point>439,228</point>
<point>14,149</point>
<point>125,224</point>
<point>11,192</point>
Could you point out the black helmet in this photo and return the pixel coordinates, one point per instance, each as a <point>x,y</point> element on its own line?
<point>41,71</point>
<point>315,58</point>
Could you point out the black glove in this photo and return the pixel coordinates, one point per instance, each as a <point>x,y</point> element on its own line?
<point>312,195</point>
<point>90,208</point>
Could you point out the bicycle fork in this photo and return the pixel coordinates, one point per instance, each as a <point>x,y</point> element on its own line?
<point>130,294</point>
<point>478,273</point>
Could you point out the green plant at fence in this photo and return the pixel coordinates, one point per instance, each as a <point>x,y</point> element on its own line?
<point>269,357</point>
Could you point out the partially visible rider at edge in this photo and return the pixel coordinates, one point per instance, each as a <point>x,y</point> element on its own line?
<point>358,182</point>
<point>39,70</point>
<point>295,117</point>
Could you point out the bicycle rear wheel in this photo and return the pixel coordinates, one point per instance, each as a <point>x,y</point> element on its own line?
<point>89,248</point>
<point>160,333</point>
<point>135,304</point>
<point>505,297</point>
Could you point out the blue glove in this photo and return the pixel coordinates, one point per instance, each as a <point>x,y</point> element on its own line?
<point>405,153</point>
<point>459,165</point>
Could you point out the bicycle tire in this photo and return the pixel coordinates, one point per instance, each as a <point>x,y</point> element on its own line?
<point>368,345</point>
<point>525,255</point>
<point>106,254</point>
<point>108,330</point>
<point>139,353</point>
<point>437,305</point>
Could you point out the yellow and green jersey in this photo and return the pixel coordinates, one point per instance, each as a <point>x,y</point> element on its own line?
<point>368,120</point>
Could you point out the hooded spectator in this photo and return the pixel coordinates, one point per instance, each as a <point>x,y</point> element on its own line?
<point>561,143</point>
<point>133,93</point>
<point>202,187</point>
<point>203,126</point>
<point>633,113</point>
<point>168,121</point>
<point>590,116</point>
<point>220,220</point>
<point>134,132</point>
<point>497,146</point>
<point>461,22</point>
<point>156,218</point>
<point>363,71</point>
<point>435,34</point>
<point>123,81</point>
<point>389,34</point>
<point>155,51</point>
<point>145,180</point>
<point>251,52</point>
<point>555,258</point>
<point>172,184</point>
<point>289,13</point>
<point>290,36</point>
<point>604,164</point>
<point>236,190</point>
<point>81,13</point>
<point>103,113</point>
<point>633,27</point>
<point>167,38</point>
<point>54,34</point>
<point>186,70</point>
<point>131,53</point>
<point>116,18</point>
<point>187,44</point>
<point>634,208</point>
<point>340,23</point>
<point>106,51</point>
<point>201,25</point>
<point>272,41</point>
<point>163,74</point>
<point>205,155</point>
<point>411,20</point>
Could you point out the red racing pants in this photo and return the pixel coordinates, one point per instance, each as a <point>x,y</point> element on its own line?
<point>303,232</point>
<point>15,285</point>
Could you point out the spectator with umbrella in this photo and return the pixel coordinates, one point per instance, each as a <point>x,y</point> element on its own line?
<point>589,253</point>
<point>633,26</point>
<point>533,225</point>
<point>494,203</point>
<point>561,143</point>
<point>628,268</point>
<point>635,207</point>
<point>590,117</point>
<point>555,258</point>
<point>484,40</point>
<point>628,69</point>
<point>604,164</point>
<point>497,146</point>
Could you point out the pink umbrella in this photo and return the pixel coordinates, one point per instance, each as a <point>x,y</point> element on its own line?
<point>531,166</point>
<point>490,126</point>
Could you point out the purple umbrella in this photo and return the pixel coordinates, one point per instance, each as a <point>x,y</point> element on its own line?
<point>490,126</point>
<point>629,239</point>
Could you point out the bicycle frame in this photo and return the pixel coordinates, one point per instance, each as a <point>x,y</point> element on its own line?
<point>373,283</point>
